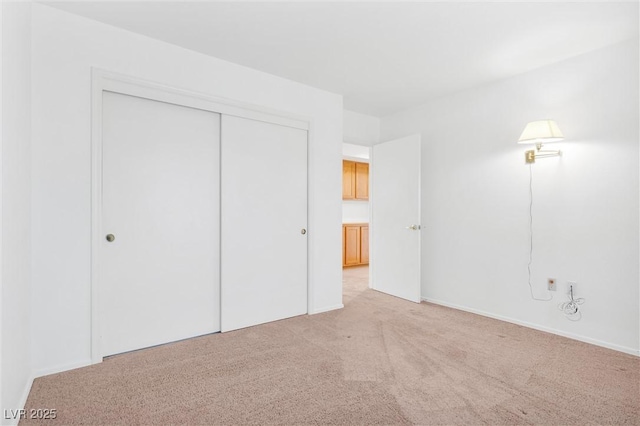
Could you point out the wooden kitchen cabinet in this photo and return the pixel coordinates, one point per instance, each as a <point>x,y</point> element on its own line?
<point>352,245</point>
<point>364,245</point>
<point>362,181</point>
<point>355,244</point>
<point>355,180</point>
<point>348,180</point>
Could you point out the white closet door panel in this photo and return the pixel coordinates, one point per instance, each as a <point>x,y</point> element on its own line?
<point>159,278</point>
<point>264,212</point>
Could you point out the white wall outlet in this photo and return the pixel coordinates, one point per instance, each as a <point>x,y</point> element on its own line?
<point>551,284</point>
<point>570,285</point>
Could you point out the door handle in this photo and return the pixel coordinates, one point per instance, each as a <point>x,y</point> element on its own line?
<point>110,237</point>
<point>413,227</point>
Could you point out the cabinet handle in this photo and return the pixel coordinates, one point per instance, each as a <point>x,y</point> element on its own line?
<point>303,231</point>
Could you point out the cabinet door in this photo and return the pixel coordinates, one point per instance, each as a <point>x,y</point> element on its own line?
<point>348,180</point>
<point>351,245</point>
<point>364,245</point>
<point>362,181</point>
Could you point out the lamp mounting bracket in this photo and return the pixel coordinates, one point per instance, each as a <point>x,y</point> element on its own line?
<point>531,155</point>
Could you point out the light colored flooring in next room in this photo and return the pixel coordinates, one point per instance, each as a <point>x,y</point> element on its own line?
<point>380,360</point>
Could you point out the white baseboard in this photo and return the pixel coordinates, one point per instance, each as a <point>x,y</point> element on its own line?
<point>27,389</point>
<point>327,309</point>
<point>61,368</point>
<point>573,336</point>
<point>21,403</point>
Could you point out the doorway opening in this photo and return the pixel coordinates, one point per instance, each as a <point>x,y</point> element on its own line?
<point>356,214</point>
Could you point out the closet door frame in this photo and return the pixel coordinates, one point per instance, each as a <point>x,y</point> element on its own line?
<point>106,81</point>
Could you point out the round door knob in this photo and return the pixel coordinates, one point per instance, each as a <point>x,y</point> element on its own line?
<point>303,231</point>
<point>110,237</point>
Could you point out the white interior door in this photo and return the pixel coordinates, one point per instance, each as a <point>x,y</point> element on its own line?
<point>395,218</point>
<point>264,221</point>
<point>159,277</point>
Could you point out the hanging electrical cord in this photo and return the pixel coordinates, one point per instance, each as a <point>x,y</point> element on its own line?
<point>531,237</point>
<point>571,308</point>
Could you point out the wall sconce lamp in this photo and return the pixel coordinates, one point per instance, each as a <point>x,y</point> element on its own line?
<point>540,132</point>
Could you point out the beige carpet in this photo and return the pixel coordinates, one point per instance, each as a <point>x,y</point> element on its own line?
<point>380,360</point>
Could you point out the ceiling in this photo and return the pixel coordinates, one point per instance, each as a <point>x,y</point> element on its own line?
<point>383,57</point>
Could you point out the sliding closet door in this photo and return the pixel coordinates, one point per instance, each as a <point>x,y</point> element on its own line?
<point>264,221</point>
<point>159,256</point>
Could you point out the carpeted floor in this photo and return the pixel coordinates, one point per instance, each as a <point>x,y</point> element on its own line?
<point>380,360</point>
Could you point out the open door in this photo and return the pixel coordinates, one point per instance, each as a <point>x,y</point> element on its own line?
<point>395,218</point>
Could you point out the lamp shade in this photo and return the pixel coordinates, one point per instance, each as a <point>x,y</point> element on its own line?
<point>543,131</point>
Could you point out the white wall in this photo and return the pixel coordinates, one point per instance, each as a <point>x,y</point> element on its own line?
<point>15,278</point>
<point>65,47</point>
<point>355,152</point>
<point>360,129</point>
<point>475,196</point>
<point>355,211</point>
<point>2,406</point>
